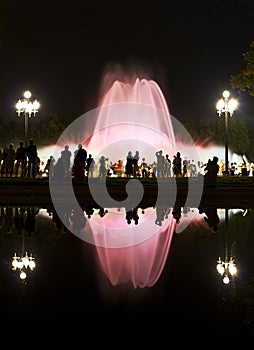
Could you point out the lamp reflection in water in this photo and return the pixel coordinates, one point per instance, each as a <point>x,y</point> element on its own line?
<point>24,262</point>
<point>226,268</point>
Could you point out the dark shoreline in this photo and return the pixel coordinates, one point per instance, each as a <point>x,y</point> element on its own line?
<point>238,194</point>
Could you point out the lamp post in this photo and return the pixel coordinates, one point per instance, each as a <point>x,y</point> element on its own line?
<point>23,262</point>
<point>226,268</point>
<point>27,108</point>
<point>226,106</point>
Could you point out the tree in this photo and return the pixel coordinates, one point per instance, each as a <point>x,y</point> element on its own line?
<point>49,131</point>
<point>213,130</point>
<point>244,80</point>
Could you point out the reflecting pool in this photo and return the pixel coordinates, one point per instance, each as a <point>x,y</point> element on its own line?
<point>174,268</point>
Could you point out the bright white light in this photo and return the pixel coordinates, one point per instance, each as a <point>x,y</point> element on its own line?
<point>220,105</point>
<point>27,94</point>
<point>226,280</point>
<point>22,275</point>
<point>232,105</point>
<point>220,268</point>
<point>31,264</point>
<point>226,94</point>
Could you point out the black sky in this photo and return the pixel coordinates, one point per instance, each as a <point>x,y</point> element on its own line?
<point>59,51</point>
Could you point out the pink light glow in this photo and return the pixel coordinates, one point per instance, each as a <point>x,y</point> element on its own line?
<point>132,116</point>
<point>136,117</point>
<point>140,265</point>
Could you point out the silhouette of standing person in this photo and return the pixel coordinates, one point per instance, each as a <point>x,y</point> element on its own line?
<point>80,155</point>
<point>177,165</point>
<point>212,218</point>
<point>66,156</point>
<point>20,159</point>
<point>90,163</point>
<point>31,151</point>
<point>160,164</point>
<point>79,165</point>
<point>212,169</point>
<point>18,219</point>
<point>102,167</point>
<point>129,165</point>
<point>144,168</point>
<point>167,166</point>
<point>9,159</point>
<point>135,164</point>
<point>30,221</point>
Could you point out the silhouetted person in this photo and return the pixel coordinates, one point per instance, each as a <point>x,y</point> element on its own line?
<point>144,168</point>
<point>167,166</point>
<point>160,214</point>
<point>49,167</point>
<point>20,159</point>
<point>212,169</point>
<point>135,216</point>
<point>212,218</point>
<point>78,220</point>
<point>18,219</point>
<point>79,165</point>
<point>80,155</point>
<point>129,164</point>
<point>90,163</point>
<point>66,156</point>
<point>59,169</point>
<point>31,151</point>
<point>8,161</point>
<point>177,213</point>
<point>177,165</point>
<point>56,219</point>
<point>102,212</point>
<point>135,163</point>
<point>129,216</point>
<point>160,163</point>
<point>30,220</point>
<point>102,167</point>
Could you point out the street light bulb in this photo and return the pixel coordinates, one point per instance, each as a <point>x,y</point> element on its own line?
<point>232,105</point>
<point>15,264</point>
<point>220,105</point>
<point>27,94</point>
<point>232,269</point>
<point>32,264</point>
<point>36,105</point>
<point>22,275</point>
<point>226,280</point>
<point>226,94</point>
<point>220,268</point>
<point>19,105</point>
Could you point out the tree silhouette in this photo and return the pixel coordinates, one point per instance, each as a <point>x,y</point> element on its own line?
<point>244,80</point>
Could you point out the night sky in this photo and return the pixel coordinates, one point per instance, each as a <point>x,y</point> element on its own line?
<point>60,51</point>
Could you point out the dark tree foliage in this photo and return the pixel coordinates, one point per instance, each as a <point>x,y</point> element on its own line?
<point>244,80</point>
<point>213,131</point>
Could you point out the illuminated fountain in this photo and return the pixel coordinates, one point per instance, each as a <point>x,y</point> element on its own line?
<point>132,115</point>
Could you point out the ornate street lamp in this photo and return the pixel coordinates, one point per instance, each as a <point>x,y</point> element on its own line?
<point>27,108</point>
<point>227,267</point>
<point>226,106</point>
<point>24,262</point>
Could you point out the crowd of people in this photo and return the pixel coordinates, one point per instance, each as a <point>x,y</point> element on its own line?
<point>24,161</point>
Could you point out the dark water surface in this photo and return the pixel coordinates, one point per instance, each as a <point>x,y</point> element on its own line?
<point>164,285</point>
